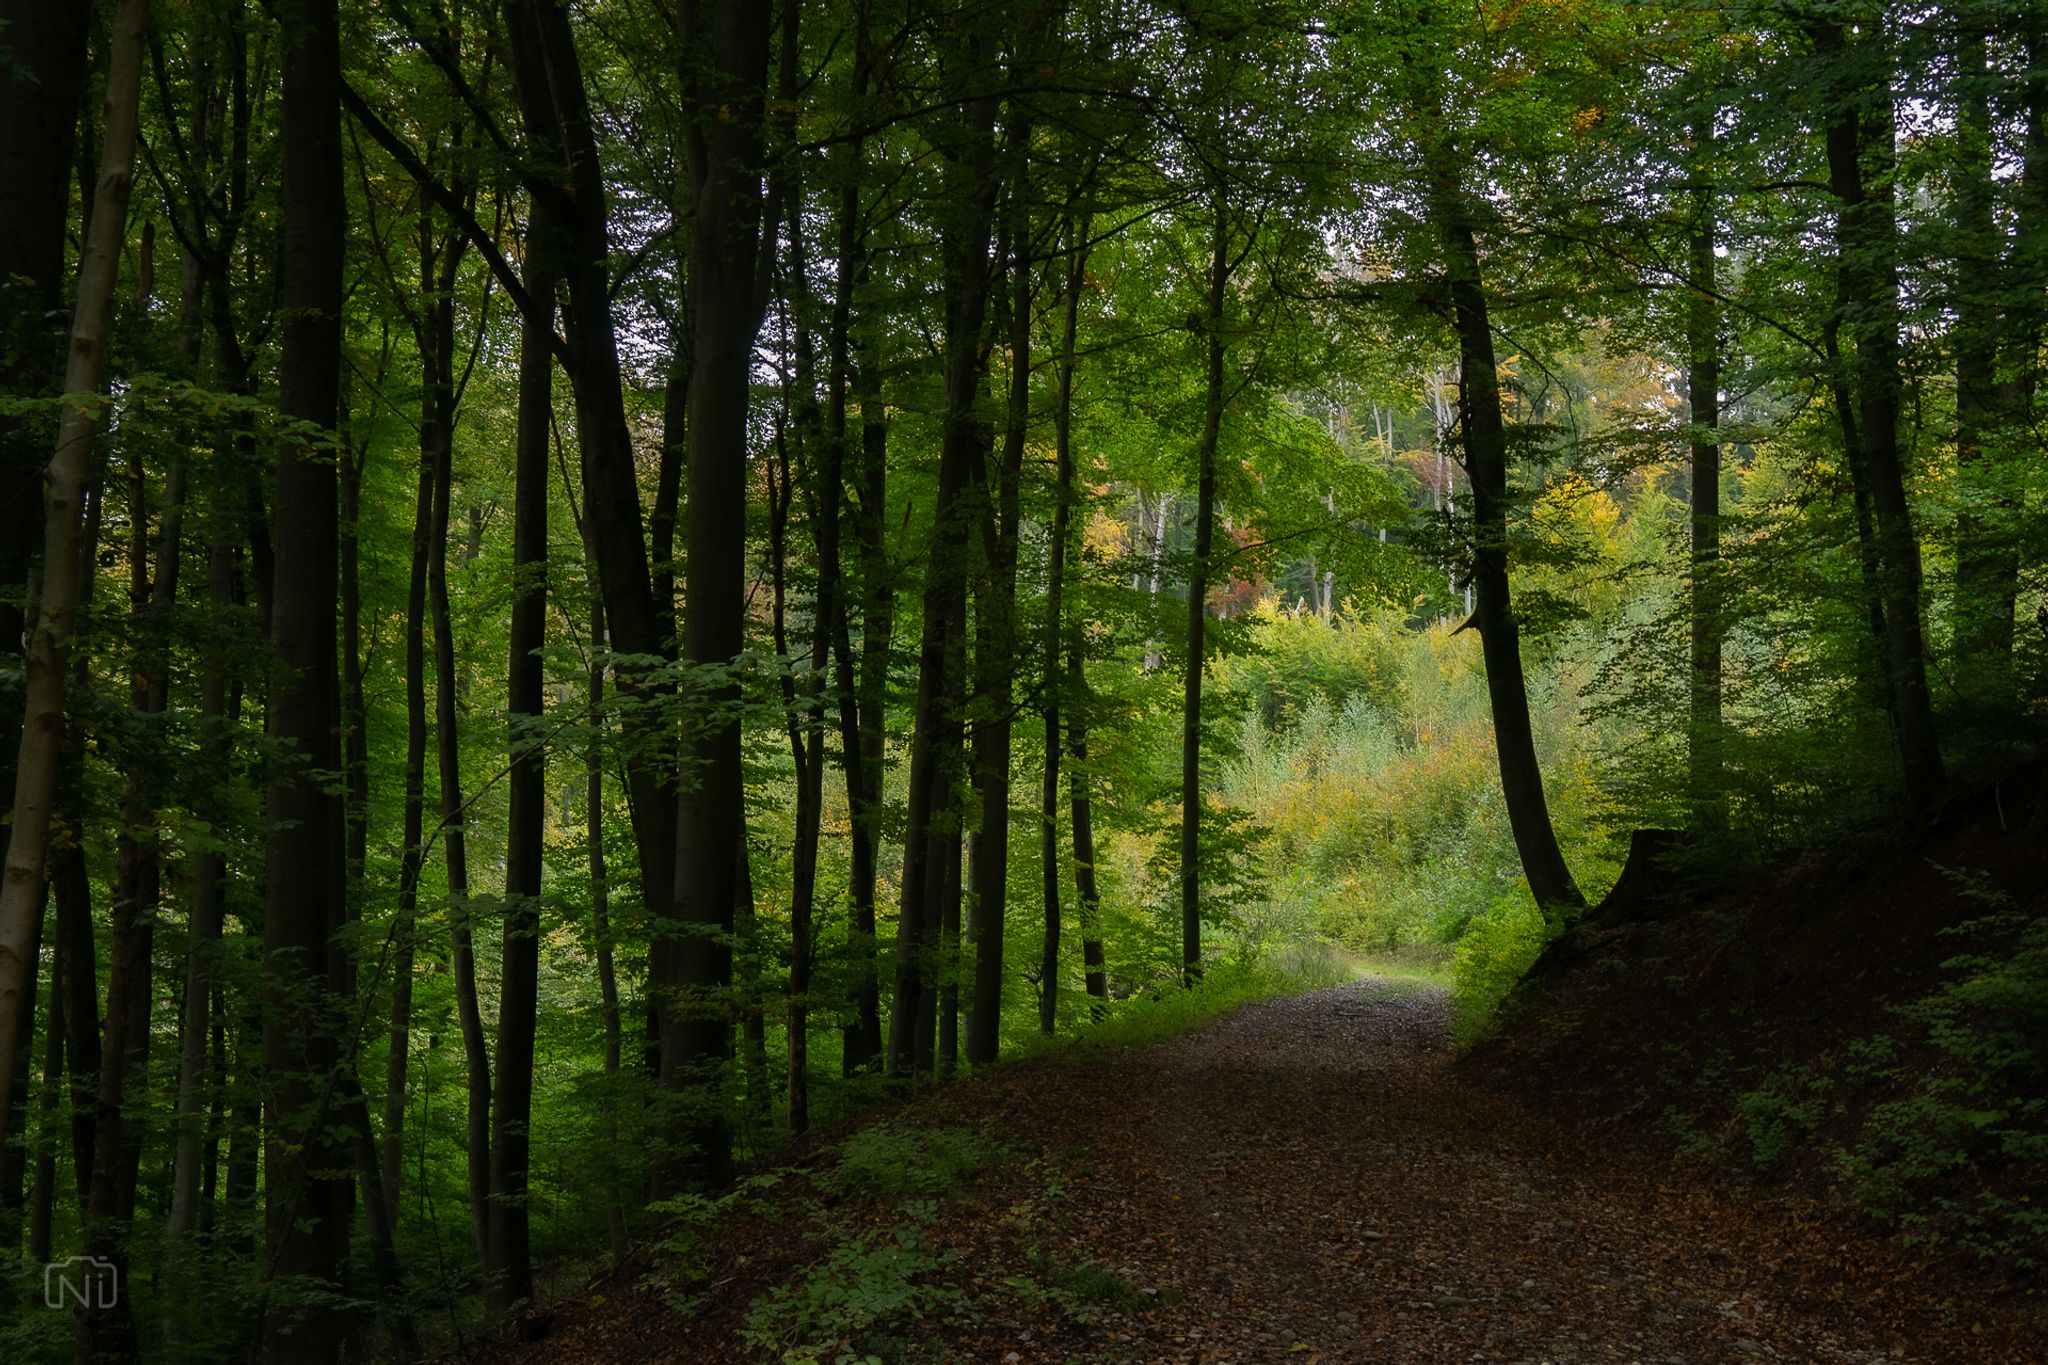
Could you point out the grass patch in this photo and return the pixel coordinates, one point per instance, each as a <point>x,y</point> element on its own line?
<point>1155,1016</point>
<point>895,1160</point>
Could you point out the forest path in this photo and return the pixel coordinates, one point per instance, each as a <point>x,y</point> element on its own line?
<point>1311,1180</point>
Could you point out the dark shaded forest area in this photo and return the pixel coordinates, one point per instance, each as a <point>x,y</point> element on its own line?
<point>593,596</point>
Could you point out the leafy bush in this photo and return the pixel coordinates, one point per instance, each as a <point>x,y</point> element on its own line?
<point>1776,1119</point>
<point>692,1224</point>
<point>1944,1144</point>
<point>1496,951</point>
<point>848,1307</point>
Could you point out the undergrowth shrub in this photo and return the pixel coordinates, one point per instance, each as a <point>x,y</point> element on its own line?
<point>1367,754</point>
<point>1495,952</point>
<point>896,1160</point>
<point>1958,1153</point>
<point>851,1307</point>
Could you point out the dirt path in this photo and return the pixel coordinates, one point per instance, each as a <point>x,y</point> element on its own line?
<point>1308,1180</point>
<point>1322,1181</point>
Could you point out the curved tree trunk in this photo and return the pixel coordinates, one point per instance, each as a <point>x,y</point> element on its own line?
<point>40,87</point>
<point>70,469</point>
<point>1486,466</point>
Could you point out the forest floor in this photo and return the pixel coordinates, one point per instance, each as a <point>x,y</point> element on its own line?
<point>1309,1179</point>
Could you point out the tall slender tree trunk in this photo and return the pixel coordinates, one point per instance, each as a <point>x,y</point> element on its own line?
<point>861,717</point>
<point>1859,134</point>
<point>861,1038</point>
<point>526,815</point>
<point>1198,597</point>
<point>447,738</point>
<point>207,300</point>
<point>307,1166</point>
<point>548,76</point>
<point>117,1144</point>
<point>821,440</point>
<point>950,957</point>
<point>355,731</point>
<point>801,712</point>
<point>1056,627</point>
<point>931,820</point>
<point>694,967</point>
<point>995,633</point>
<point>70,469</point>
<point>204,920</point>
<point>1986,573</point>
<point>600,913</point>
<point>404,932</point>
<point>1080,792</point>
<point>1703,389</point>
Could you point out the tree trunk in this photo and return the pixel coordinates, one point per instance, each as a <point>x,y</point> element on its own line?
<point>860,750</point>
<point>806,720</point>
<point>1198,601</point>
<point>1703,386</point>
<point>1986,583</point>
<point>355,751</point>
<point>931,820</point>
<point>69,470</point>
<point>1486,467</point>
<point>437,431</point>
<point>40,88</point>
<point>209,873</point>
<point>526,815</point>
<point>1056,631</point>
<point>404,938</point>
<point>307,1167</point>
<point>117,1145</point>
<point>806,741</point>
<point>1078,790</point>
<point>995,636</point>
<point>600,913</point>
<point>1861,164</point>
<point>950,958</point>
<point>861,717</point>
<point>549,80</point>
<point>753,997</point>
<point>693,969</point>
